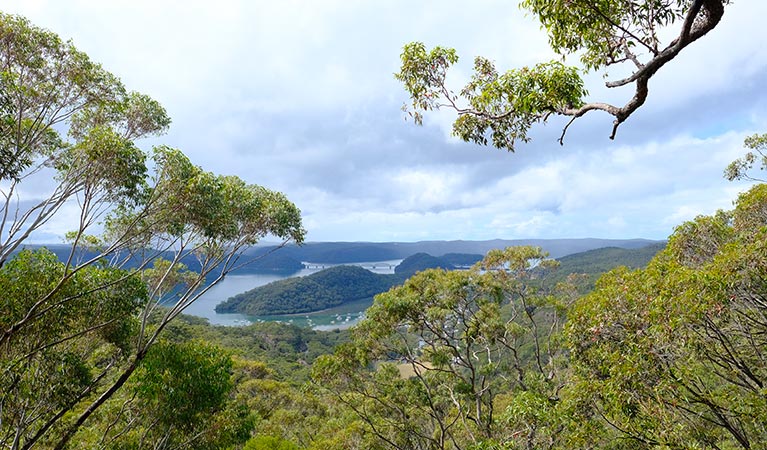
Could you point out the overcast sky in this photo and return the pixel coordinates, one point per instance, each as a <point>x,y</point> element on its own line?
<point>299,96</point>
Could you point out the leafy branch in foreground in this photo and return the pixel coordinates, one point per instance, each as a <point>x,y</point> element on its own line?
<point>501,108</point>
<point>756,156</point>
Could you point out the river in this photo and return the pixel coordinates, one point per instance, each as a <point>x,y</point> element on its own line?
<point>340,317</point>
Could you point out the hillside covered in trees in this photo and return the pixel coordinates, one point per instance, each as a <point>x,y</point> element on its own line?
<point>325,289</point>
<point>591,264</point>
<point>328,288</point>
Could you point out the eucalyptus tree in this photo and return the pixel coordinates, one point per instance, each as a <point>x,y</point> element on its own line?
<point>176,399</point>
<point>500,108</point>
<point>673,355</point>
<point>75,328</point>
<point>742,168</point>
<point>458,359</point>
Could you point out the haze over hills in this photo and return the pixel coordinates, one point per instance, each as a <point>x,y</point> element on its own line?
<point>289,259</point>
<point>348,252</point>
<point>353,252</point>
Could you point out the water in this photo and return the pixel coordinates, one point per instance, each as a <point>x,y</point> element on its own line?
<point>340,317</point>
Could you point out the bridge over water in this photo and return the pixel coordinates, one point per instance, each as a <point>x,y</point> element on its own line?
<point>373,266</point>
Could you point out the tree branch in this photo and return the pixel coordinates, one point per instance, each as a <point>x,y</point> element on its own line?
<point>692,30</point>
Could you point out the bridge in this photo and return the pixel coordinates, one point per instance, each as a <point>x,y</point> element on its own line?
<point>368,266</point>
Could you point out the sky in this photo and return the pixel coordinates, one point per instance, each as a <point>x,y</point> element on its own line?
<point>299,96</point>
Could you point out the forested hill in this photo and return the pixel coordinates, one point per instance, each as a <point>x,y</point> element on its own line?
<point>593,263</point>
<point>422,261</point>
<point>331,287</point>
<point>603,259</point>
<point>325,289</point>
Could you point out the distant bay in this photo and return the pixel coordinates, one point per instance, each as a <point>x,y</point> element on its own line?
<point>341,317</point>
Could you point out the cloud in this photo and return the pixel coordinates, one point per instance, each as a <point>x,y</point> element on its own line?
<point>299,96</point>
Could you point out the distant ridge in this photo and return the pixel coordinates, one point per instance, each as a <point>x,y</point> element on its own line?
<point>355,252</point>
<point>289,258</point>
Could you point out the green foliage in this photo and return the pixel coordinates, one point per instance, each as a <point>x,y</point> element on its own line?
<point>423,74</point>
<point>426,365</point>
<point>183,395</point>
<point>180,383</point>
<point>505,106</point>
<point>603,259</point>
<point>501,108</point>
<point>665,356</point>
<point>50,365</point>
<point>218,212</point>
<point>104,161</point>
<point>77,328</point>
<point>668,356</point>
<point>601,31</point>
<point>270,401</point>
<point>671,355</point>
<point>290,350</point>
<point>269,443</point>
<point>738,169</point>
<point>45,81</point>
